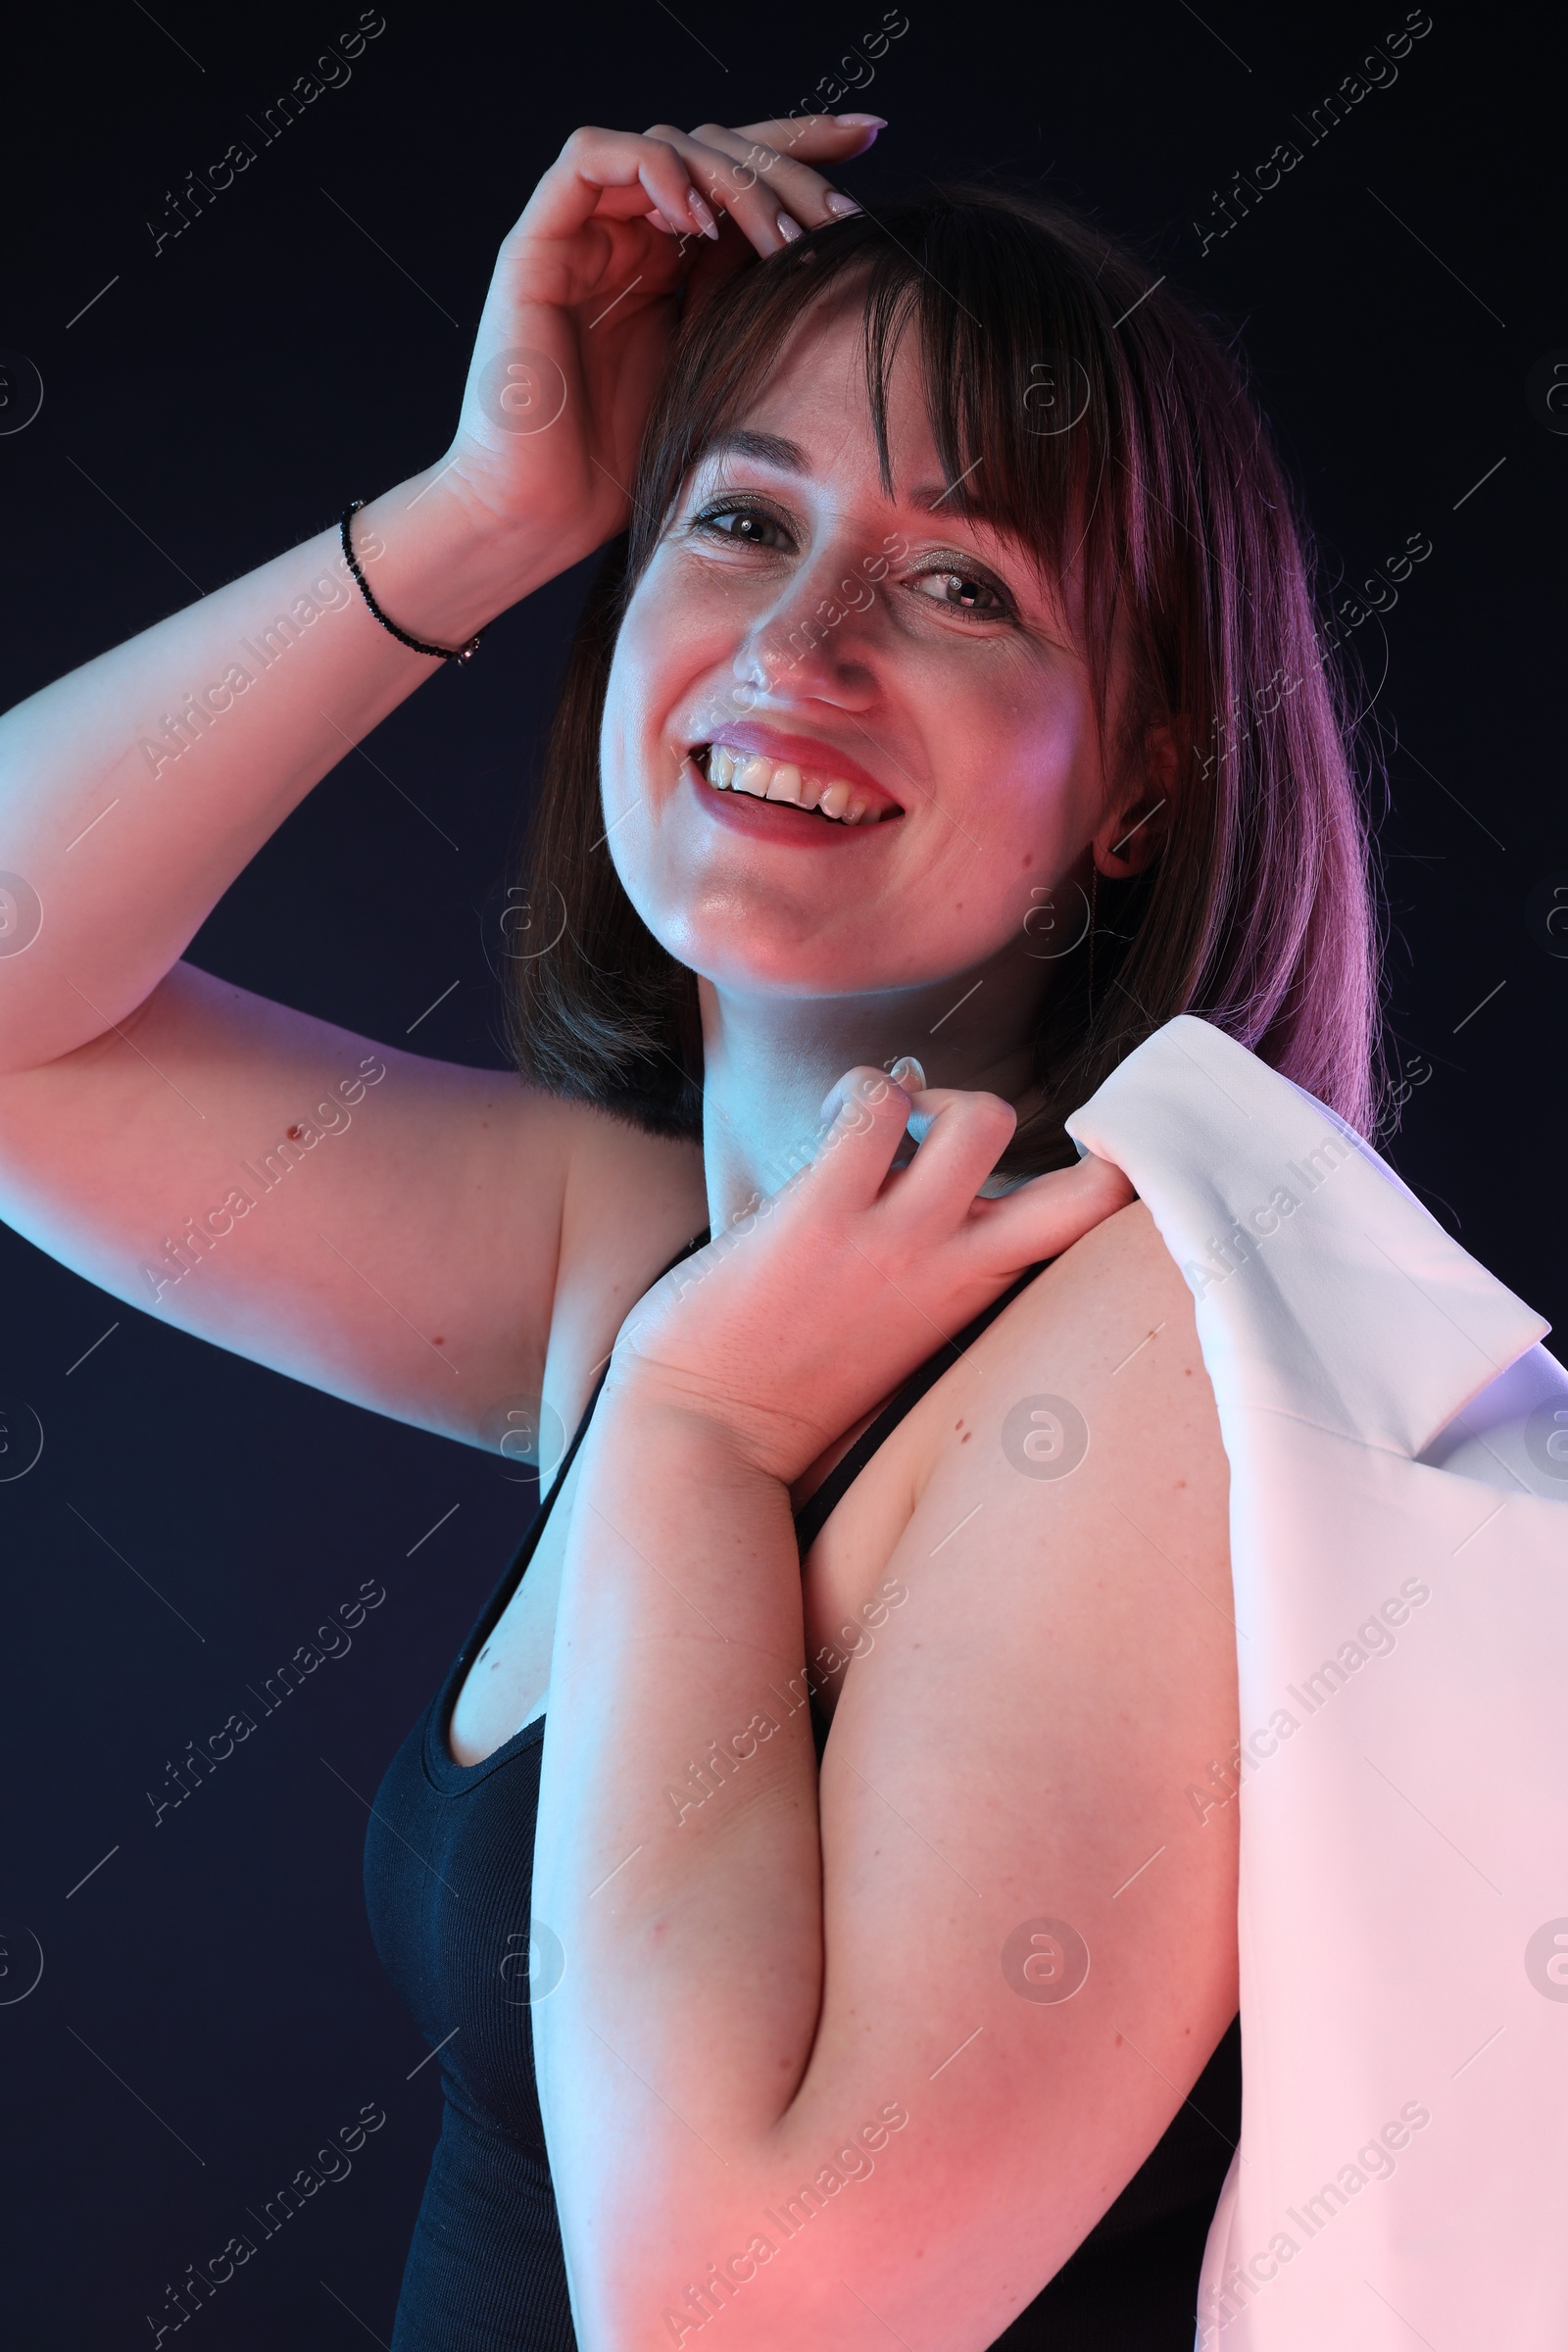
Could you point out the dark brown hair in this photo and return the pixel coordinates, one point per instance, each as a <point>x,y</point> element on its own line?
<point>1103,423</point>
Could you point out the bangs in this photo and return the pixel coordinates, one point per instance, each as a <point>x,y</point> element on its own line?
<point>1078,405</point>
<point>1022,370</point>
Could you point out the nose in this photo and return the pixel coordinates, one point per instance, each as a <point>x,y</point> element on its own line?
<point>814,642</point>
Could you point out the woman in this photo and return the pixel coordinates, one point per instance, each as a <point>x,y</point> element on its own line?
<point>947,718</point>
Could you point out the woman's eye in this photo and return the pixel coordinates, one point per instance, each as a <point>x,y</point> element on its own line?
<point>963,593</point>
<point>748,526</point>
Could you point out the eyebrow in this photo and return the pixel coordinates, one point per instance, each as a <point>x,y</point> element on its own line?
<point>769,449</point>
<point>774,449</point>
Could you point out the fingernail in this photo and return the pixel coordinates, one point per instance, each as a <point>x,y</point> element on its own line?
<point>864,121</point>
<point>787,229</point>
<point>843,205</point>
<point>700,213</point>
<point>908,1073</point>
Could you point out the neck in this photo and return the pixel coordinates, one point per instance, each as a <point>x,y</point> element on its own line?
<point>769,1063</point>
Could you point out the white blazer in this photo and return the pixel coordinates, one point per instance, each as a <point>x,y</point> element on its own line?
<point>1398,1520</point>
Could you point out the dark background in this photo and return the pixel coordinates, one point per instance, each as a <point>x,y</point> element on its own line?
<point>211,2007</point>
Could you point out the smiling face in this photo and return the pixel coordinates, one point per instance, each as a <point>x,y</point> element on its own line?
<point>850,744</point>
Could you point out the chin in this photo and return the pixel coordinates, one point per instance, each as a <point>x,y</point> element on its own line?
<point>747,960</point>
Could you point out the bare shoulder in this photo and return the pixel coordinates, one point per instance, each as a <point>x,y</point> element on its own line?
<point>1089,1401</point>
<point>1120,1267</point>
<point>1089,1392</point>
<point>1098,1359</point>
<point>1076,1449</point>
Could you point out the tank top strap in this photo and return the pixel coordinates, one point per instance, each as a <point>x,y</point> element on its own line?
<point>819,1505</point>
<point>698,1242</point>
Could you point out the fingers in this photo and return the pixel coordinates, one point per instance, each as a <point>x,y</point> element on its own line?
<point>935,1199</point>
<point>1046,1216</point>
<point>781,166</point>
<point>768,195</point>
<point>679,180</point>
<point>962,1135</point>
<point>965,1134</point>
<point>867,1116</point>
<point>621,175</point>
<point>836,137</point>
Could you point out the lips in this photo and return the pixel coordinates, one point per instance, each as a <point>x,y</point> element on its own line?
<point>796,773</point>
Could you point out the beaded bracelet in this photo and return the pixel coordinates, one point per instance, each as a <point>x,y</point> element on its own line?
<point>437,653</point>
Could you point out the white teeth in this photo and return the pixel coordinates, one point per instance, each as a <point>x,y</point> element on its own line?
<point>783,780</point>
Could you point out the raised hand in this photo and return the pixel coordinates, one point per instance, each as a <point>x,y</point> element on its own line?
<point>584,300</point>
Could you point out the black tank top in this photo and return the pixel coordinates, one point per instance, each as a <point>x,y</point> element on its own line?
<point>447,1876</point>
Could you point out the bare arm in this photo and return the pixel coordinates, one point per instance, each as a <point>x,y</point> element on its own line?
<point>134,791</point>
<point>932,2044</point>
<point>380,1225</point>
<point>299,1195</point>
<point>424,1220</point>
